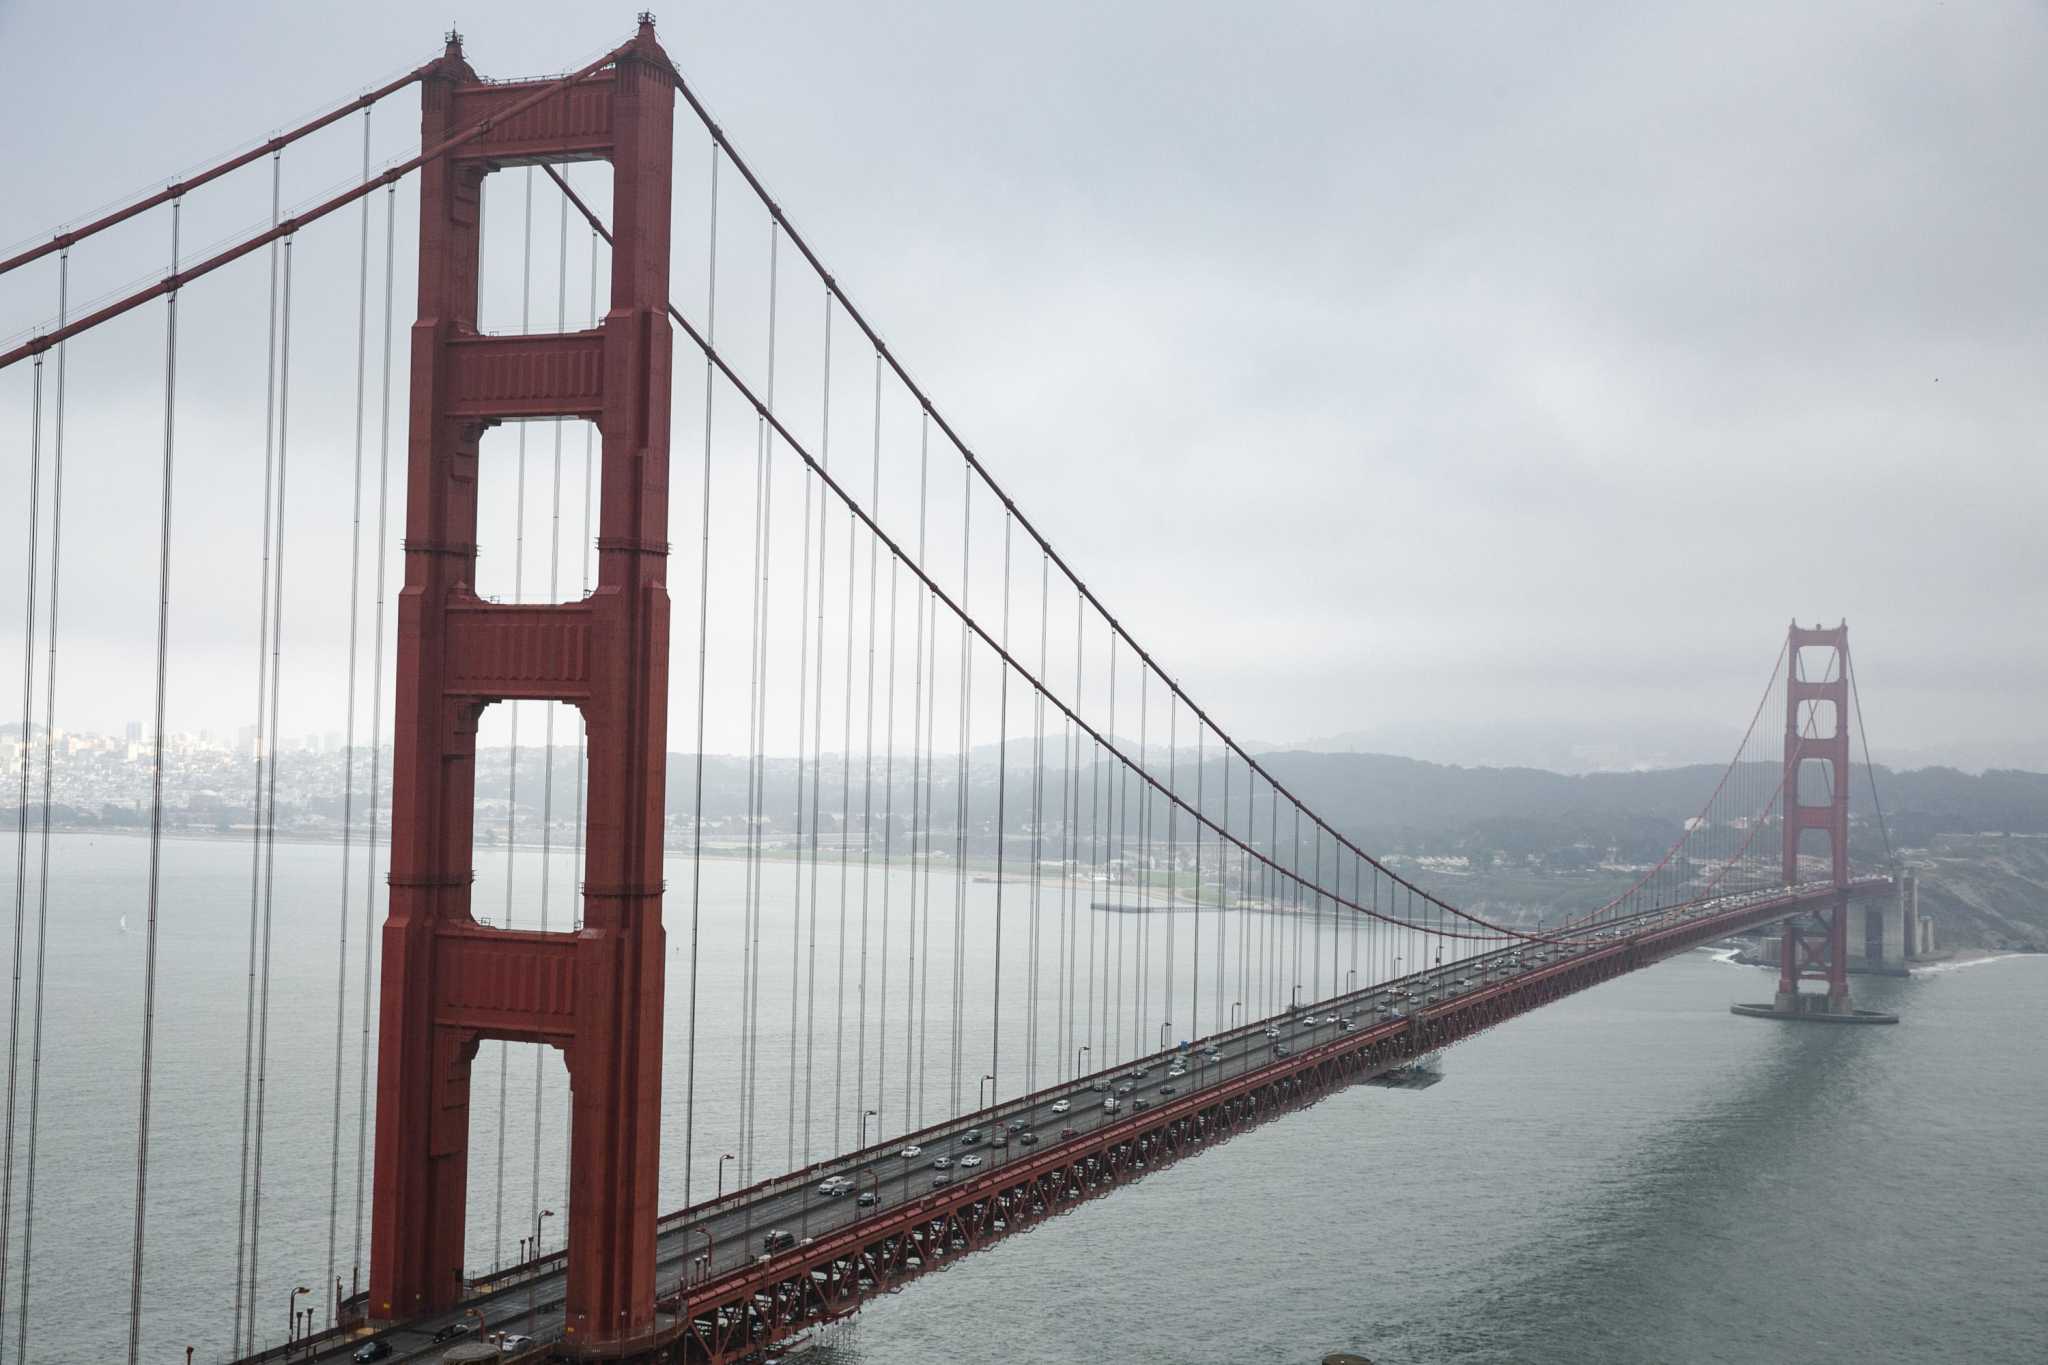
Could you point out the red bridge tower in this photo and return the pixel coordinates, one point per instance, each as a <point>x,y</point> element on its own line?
<point>1803,953</point>
<point>450,982</point>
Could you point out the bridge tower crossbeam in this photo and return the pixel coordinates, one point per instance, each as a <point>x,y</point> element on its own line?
<point>450,982</point>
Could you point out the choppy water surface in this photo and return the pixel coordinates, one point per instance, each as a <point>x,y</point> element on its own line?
<point>1630,1176</point>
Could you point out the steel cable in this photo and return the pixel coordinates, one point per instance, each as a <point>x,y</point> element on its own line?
<point>973,628</point>
<point>512,766</point>
<point>919,812</point>
<point>264,743</point>
<point>28,676</point>
<point>284,361</point>
<point>35,1066</point>
<point>961,790</point>
<point>995,1068</point>
<point>817,739</point>
<point>703,650</point>
<point>156,809</point>
<point>547,768</point>
<point>329,1288</point>
<point>376,726</point>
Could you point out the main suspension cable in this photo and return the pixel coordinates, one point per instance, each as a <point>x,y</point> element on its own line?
<point>976,467</point>
<point>177,279</point>
<point>64,241</point>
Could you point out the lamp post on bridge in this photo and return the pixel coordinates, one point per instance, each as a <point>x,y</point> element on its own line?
<point>981,1091</point>
<point>1164,1025</point>
<point>1079,1053</point>
<point>721,1177</point>
<point>533,1276</point>
<point>292,1331</point>
<point>1236,1008</point>
<point>865,1115</point>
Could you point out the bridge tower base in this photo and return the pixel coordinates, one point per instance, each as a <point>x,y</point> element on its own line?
<point>1811,1007</point>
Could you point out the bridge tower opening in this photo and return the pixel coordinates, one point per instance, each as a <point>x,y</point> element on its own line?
<point>451,982</point>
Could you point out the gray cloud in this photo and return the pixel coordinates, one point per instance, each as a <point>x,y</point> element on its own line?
<point>1463,379</point>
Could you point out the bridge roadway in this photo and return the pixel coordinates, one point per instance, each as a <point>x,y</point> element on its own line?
<point>701,1250</point>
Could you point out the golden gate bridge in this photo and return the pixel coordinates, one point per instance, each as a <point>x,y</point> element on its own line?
<point>1019,923</point>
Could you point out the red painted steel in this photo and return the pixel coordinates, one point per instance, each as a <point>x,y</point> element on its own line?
<point>449,982</point>
<point>1799,957</point>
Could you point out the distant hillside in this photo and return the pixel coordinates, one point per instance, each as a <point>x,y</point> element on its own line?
<point>1398,802</point>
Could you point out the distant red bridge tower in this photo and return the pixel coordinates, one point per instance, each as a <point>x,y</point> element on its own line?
<point>1810,702</point>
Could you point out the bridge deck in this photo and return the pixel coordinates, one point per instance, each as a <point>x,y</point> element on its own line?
<point>725,1299</point>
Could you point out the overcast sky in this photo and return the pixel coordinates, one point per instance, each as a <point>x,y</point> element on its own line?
<point>1473,383</point>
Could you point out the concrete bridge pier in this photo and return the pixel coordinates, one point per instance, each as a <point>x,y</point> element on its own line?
<point>1885,937</point>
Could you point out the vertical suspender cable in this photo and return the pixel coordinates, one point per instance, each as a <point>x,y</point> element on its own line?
<point>1037,818</point>
<point>703,653</point>
<point>35,1065</point>
<point>867,809</point>
<point>1119,799</point>
<point>817,738</point>
<point>1195,969</point>
<point>756,745</point>
<point>264,743</point>
<point>376,731</point>
<point>284,379</point>
<point>1069,795</point>
<point>512,767</point>
<point>888,848</point>
<point>156,808</point>
<point>28,675</point>
<point>918,811</point>
<point>888,816</point>
<point>329,1287</point>
<point>803,692</point>
<point>1172,850</point>
<point>750,901</point>
<point>995,1032</point>
<point>1141,980</point>
<point>845,828</point>
<point>960,794</point>
<point>1094,848</point>
<point>931,720</point>
<point>547,767</point>
<point>583,770</point>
